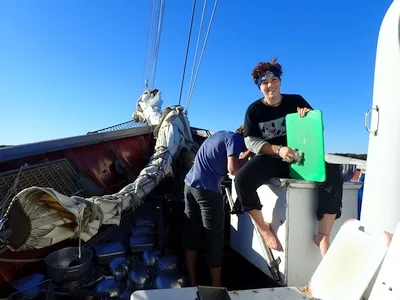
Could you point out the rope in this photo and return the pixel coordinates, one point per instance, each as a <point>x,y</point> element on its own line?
<point>146,59</point>
<point>187,50</point>
<point>153,42</point>
<point>5,205</point>
<point>197,47</point>
<point>150,33</point>
<point>154,37</point>
<point>10,191</point>
<point>80,232</point>
<point>157,45</point>
<point>202,53</point>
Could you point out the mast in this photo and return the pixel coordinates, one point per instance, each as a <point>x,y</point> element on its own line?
<point>381,198</point>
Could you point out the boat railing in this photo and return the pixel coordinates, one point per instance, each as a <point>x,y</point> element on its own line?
<point>38,148</point>
<point>125,125</point>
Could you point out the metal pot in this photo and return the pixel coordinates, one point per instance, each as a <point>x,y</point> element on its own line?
<point>126,295</point>
<point>109,286</point>
<point>140,278</point>
<point>119,267</point>
<point>150,257</point>
<point>166,263</point>
<point>142,230</point>
<point>65,265</point>
<point>43,290</point>
<point>169,279</point>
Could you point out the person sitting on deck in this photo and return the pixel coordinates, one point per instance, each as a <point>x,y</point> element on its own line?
<point>204,205</point>
<point>265,135</point>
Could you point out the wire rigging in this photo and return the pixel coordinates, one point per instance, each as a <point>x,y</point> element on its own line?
<point>157,43</point>
<point>197,45</point>
<point>153,42</point>
<point>187,50</point>
<point>148,43</point>
<point>201,55</point>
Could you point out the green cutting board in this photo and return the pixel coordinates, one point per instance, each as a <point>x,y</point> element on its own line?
<point>307,135</point>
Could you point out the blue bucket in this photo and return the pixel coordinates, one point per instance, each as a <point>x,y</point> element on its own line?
<point>360,194</point>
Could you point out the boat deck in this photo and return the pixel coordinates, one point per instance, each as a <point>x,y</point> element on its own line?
<point>168,215</point>
<point>283,293</point>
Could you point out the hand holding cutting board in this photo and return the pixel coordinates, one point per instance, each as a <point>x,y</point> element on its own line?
<point>305,133</point>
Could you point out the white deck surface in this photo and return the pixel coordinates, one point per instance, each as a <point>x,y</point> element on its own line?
<point>283,293</point>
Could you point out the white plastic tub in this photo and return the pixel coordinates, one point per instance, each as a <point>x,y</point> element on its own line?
<point>290,206</point>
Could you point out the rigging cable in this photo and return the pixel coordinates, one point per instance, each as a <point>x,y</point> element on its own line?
<point>157,45</point>
<point>197,48</point>
<point>201,55</point>
<point>152,43</point>
<point>147,59</point>
<point>187,50</point>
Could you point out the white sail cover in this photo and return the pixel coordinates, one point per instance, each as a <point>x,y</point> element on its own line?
<point>173,134</point>
<point>55,217</point>
<point>148,107</point>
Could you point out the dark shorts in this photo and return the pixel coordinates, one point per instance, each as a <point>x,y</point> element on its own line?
<point>262,168</point>
<point>204,209</point>
<point>330,193</point>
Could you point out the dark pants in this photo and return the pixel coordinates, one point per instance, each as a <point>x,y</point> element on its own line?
<point>261,168</point>
<point>204,209</point>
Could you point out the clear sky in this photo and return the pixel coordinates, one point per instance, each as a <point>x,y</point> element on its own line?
<point>72,66</point>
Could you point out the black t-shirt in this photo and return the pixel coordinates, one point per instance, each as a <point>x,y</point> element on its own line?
<point>268,122</point>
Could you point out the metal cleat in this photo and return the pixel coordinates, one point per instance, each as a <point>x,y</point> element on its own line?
<point>298,157</point>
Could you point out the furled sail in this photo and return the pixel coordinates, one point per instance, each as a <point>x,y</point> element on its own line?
<point>54,217</point>
<point>148,108</point>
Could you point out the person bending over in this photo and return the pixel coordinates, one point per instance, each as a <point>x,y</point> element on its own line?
<point>246,154</point>
<point>265,135</point>
<point>204,205</point>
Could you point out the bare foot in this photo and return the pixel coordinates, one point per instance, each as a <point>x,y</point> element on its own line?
<point>270,238</point>
<point>322,241</point>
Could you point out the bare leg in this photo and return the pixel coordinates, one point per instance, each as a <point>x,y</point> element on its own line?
<point>324,230</point>
<point>191,256</point>
<point>265,229</point>
<point>215,276</point>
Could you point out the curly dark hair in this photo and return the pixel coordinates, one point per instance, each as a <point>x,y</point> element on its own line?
<point>240,130</point>
<point>263,67</point>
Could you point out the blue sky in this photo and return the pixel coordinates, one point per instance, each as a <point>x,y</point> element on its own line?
<point>69,67</point>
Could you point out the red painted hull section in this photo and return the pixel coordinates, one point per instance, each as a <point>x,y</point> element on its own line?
<point>96,162</point>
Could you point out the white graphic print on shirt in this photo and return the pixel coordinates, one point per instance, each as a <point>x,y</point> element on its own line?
<point>272,129</point>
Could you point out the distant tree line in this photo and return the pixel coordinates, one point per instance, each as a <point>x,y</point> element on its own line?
<point>353,155</point>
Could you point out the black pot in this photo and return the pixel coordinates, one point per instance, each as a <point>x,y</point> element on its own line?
<point>65,265</point>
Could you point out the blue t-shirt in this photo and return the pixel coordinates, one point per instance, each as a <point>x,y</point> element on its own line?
<point>211,162</point>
